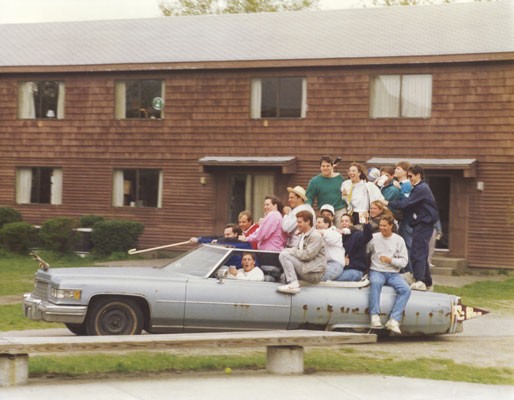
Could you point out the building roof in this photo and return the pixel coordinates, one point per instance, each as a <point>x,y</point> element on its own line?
<point>407,31</point>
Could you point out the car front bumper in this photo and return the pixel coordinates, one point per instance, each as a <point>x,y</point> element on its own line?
<point>37,309</point>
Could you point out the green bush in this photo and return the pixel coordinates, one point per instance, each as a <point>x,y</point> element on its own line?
<point>8,215</point>
<point>115,236</point>
<point>87,221</point>
<point>58,234</point>
<point>17,237</point>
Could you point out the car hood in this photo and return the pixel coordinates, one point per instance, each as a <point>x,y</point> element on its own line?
<point>56,274</point>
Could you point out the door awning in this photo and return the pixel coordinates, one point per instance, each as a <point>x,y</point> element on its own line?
<point>467,165</point>
<point>287,165</point>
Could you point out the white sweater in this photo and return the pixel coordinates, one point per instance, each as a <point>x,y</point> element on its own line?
<point>392,246</point>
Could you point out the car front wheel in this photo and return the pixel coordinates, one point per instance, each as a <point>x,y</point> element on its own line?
<point>114,316</point>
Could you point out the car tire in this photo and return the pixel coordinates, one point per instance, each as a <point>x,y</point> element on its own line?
<point>114,316</point>
<point>77,329</point>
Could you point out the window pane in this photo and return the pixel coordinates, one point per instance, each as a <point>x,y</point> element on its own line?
<point>41,99</point>
<point>385,96</point>
<point>150,93</point>
<point>148,188</point>
<point>269,98</point>
<point>416,96</point>
<point>290,95</point>
<point>41,185</point>
<point>143,99</point>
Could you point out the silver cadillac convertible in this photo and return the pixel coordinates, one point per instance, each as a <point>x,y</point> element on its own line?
<point>191,294</point>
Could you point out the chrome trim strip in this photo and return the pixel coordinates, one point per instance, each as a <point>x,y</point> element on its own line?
<point>237,304</point>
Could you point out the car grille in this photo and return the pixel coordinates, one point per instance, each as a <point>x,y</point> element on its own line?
<point>41,290</point>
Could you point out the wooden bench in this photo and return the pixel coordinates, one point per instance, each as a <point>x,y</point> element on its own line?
<point>284,349</point>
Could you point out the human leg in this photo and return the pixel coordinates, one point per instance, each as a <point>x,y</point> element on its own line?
<point>376,280</point>
<point>337,217</point>
<point>419,253</point>
<point>402,290</point>
<point>350,275</point>
<point>287,261</point>
<point>334,270</point>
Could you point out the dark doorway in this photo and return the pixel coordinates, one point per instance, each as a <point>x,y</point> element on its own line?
<point>440,186</point>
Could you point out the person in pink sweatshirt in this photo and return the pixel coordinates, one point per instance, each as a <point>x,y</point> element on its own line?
<point>270,235</point>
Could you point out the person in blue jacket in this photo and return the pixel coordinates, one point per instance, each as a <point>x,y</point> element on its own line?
<point>424,214</point>
<point>230,239</point>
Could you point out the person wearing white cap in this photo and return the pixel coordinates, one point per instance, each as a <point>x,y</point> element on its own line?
<point>296,200</point>
<point>327,210</point>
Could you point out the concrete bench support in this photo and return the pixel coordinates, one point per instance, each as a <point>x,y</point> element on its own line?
<point>14,369</point>
<point>284,349</point>
<point>284,360</point>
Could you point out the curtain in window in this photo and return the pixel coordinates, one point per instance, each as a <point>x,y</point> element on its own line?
<point>23,185</point>
<point>304,98</point>
<point>256,98</point>
<point>159,193</point>
<point>56,191</point>
<point>60,101</point>
<point>26,106</point>
<point>263,185</point>
<point>385,96</point>
<point>120,100</point>
<point>117,188</point>
<point>416,96</point>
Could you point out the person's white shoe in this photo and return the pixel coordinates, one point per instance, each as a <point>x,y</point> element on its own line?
<point>291,288</point>
<point>375,322</point>
<point>419,285</point>
<point>394,326</point>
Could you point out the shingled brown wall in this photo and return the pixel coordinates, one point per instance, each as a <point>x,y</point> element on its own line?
<point>207,113</point>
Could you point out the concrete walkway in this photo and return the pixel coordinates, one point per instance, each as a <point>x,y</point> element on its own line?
<point>257,386</point>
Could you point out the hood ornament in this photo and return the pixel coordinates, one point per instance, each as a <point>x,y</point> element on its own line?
<point>42,263</point>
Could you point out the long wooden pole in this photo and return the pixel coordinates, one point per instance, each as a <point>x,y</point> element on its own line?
<point>134,251</point>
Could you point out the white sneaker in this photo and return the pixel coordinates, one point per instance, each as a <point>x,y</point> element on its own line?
<point>419,285</point>
<point>291,288</point>
<point>394,326</point>
<point>375,322</point>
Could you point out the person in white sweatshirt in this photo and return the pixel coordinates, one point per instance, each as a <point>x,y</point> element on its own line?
<point>388,256</point>
<point>334,250</point>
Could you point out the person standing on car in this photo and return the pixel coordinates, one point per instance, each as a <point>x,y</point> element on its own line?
<point>388,256</point>
<point>424,215</point>
<point>307,260</point>
<point>296,200</point>
<point>325,188</point>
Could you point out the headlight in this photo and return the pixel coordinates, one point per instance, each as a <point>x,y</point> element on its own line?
<point>72,294</point>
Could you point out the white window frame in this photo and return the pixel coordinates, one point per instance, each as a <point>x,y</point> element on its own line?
<point>24,185</point>
<point>26,101</point>
<point>120,98</point>
<point>120,186</point>
<point>401,96</point>
<point>256,99</point>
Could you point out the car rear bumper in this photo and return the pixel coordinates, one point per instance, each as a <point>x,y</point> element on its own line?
<point>37,309</point>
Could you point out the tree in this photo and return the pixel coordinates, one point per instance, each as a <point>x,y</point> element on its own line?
<point>197,7</point>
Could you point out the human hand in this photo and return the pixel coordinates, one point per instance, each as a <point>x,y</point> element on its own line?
<point>386,259</point>
<point>193,240</point>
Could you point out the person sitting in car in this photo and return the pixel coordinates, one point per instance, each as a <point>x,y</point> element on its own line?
<point>249,271</point>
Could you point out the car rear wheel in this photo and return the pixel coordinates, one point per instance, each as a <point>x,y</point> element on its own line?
<point>114,316</point>
<point>77,329</point>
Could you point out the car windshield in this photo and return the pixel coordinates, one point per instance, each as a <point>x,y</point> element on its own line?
<point>198,262</point>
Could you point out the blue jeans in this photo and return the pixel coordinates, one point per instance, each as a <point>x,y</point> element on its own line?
<point>334,269</point>
<point>400,286</point>
<point>350,275</point>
